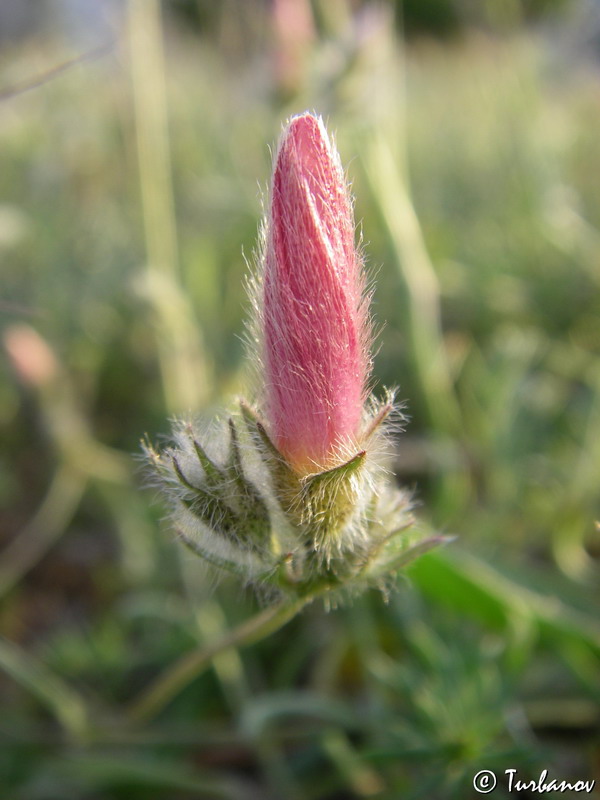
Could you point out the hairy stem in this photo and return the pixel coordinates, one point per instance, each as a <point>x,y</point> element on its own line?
<point>155,697</point>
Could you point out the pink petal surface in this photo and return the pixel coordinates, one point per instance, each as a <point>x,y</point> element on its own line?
<point>314,314</point>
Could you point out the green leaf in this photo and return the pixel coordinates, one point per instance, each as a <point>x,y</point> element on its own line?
<point>472,586</point>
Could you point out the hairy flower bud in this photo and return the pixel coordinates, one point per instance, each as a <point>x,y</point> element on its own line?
<point>292,494</point>
<point>316,330</point>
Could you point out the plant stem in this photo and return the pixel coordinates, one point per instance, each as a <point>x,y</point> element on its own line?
<point>152,699</point>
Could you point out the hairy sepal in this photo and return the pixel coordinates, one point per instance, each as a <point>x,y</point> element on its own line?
<point>238,504</point>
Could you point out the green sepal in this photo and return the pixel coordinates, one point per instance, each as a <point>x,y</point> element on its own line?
<point>245,498</point>
<point>319,504</point>
<point>286,482</point>
<point>228,503</point>
<point>335,475</point>
<point>216,561</point>
<point>329,498</point>
<point>245,526</point>
<point>378,419</point>
<point>214,475</point>
<point>386,566</point>
<point>209,508</point>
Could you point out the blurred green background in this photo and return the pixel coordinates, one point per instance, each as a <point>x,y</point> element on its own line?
<point>134,157</point>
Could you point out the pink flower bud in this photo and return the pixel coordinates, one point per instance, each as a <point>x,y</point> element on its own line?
<point>314,311</point>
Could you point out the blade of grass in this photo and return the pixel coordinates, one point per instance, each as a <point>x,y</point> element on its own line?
<point>61,700</point>
<point>357,773</point>
<point>391,196</point>
<point>180,352</point>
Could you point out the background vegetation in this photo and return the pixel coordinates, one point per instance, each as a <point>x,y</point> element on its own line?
<point>131,187</point>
